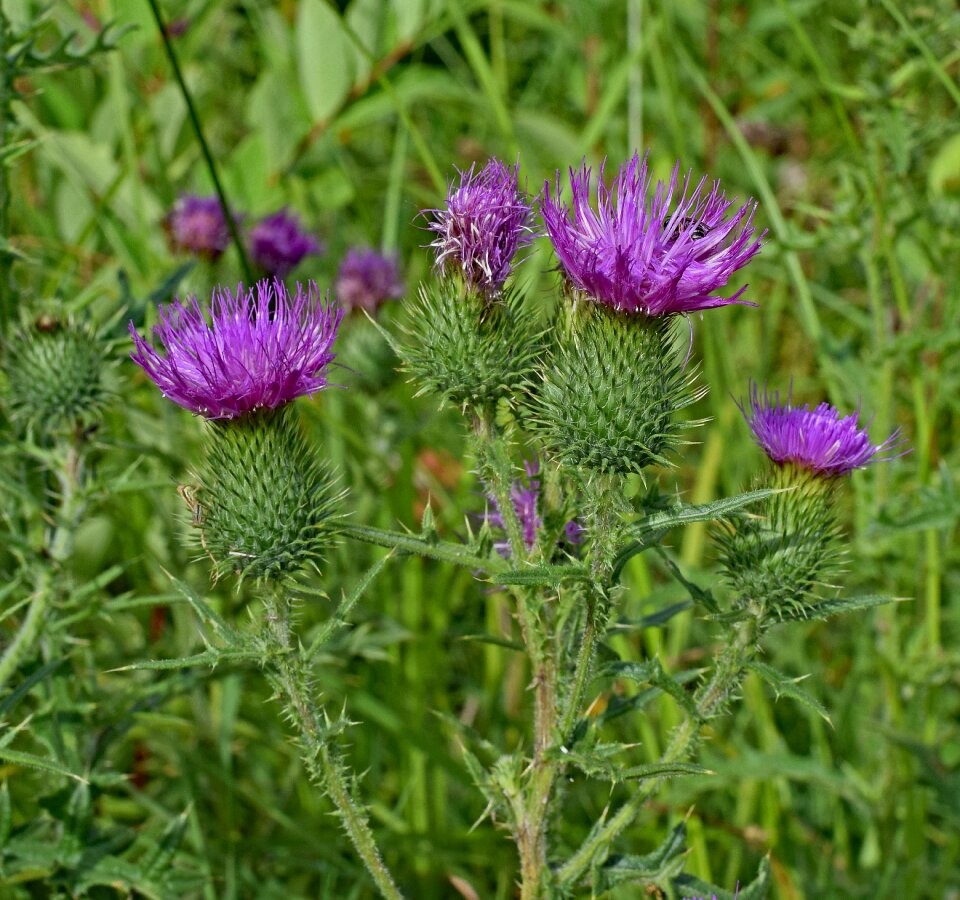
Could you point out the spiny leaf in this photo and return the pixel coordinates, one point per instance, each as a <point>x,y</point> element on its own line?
<point>652,868</point>
<point>788,687</point>
<point>824,609</point>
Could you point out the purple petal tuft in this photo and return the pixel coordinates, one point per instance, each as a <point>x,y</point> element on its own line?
<point>196,225</point>
<point>256,349</point>
<point>817,439</point>
<point>649,254</point>
<point>486,220</point>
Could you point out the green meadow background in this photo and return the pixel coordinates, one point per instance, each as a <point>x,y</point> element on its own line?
<point>842,118</point>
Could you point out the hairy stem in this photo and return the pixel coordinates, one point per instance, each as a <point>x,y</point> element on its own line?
<point>289,676</point>
<point>531,809</point>
<point>727,676</point>
<point>59,545</point>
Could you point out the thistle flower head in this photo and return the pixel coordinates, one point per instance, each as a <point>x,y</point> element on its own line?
<point>525,499</point>
<point>278,244</point>
<point>818,439</point>
<point>645,250</point>
<point>367,279</point>
<point>255,349</point>
<point>197,225</point>
<point>486,220</point>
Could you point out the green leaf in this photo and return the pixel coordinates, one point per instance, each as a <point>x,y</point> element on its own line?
<point>788,687</point>
<point>324,59</point>
<point>30,761</point>
<point>542,576</point>
<point>664,770</point>
<point>652,868</point>
<point>688,886</point>
<point>652,673</point>
<point>210,657</point>
<point>827,608</point>
<point>28,684</point>
<point>649,530</point>
<point>685,513</point>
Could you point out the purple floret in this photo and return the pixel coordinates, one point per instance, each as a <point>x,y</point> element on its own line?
<point>649,254</point>
<point>525,497</point>
<point>196,225</point>
<point>367,279</point>
<point>817,439</point>
<point>256,349</point>
<point>278,244</point>
<point>486,220</point>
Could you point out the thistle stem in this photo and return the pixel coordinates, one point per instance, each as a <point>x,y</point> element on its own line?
<point>727,676</point>
<point>290,678</point>
<point>59,545</point>
<point>532,807</point>
<point>204,147</point>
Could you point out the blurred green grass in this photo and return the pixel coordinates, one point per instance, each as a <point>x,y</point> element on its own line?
<point>840,117</point>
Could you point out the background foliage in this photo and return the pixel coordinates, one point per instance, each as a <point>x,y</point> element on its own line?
<point>840,117</point>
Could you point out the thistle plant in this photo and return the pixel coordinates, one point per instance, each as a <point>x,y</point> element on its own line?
<point>598,398</point>
<point>264,497</point>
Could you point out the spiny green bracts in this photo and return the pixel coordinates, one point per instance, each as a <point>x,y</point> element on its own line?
<point>610,389</point>
<point>55,375</point>
<point>471,349</point>
<point>263,497</point>
<point>776,560</point>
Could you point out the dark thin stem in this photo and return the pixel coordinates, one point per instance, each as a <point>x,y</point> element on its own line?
<point>204,147</point>
<point>6,95</point>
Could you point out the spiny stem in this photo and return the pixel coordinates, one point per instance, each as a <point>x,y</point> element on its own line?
<point>321,758</point>
<point>204,147</point>
<point>727,676</point>
<point>59,545</point>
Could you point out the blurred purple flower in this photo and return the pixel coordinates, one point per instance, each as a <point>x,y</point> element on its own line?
<point>486,220</point>
<point>816,439</point>
<point>366,279</point>
<point>278,244</point>
<point>525,498</point>
<point>196,225</point>
<point>635,255</point>
<point>256,349</point>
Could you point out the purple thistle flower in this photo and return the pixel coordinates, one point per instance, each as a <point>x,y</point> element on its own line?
<point>486,220</point>
<point>633,253</point>
<point>197,225</point>
<point>366,279</point>
<point>817,439</point>
<point>256,349</point>
<point>277,243</point>
<point>525,497</point>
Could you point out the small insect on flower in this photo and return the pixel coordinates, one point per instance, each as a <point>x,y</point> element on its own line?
<point>188,494</point>
<point>643,250</point>
<point>819,439</point>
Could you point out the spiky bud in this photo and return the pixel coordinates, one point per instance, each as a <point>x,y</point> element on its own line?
<point>610,390</point>
<point>263,497</point>
<point>55,375</point>
<point>776,557</point>
<point>468,347</point>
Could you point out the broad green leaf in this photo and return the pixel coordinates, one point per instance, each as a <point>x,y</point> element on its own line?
<point>324,58</point>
